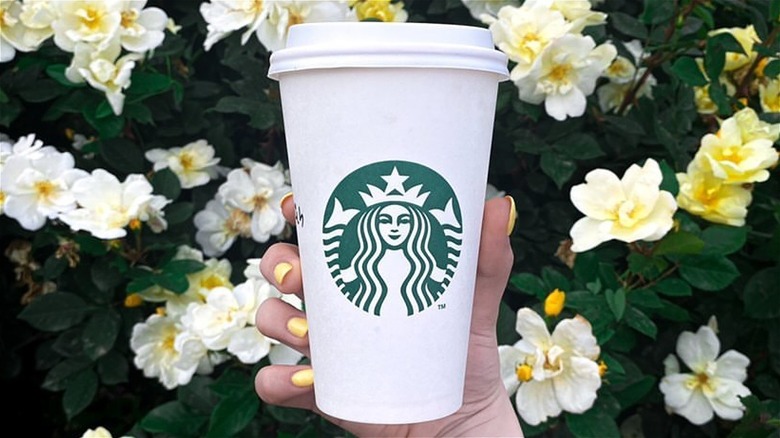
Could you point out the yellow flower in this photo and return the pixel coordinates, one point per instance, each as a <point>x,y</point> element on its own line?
<point>770,96</point>
<point>733,160</point>
<point>553,304</point>
<point>752,128</point>
<point>381,10</point>
<point>747,38</point>
<point>709,197</point>
<point>133,300</point>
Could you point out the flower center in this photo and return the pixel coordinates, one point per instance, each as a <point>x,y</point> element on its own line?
<point>44,189</point>
<point>90,18</point>
<point>239,223</point>
<point>629,213</point>
<point>376,10</point>
<point>213,281</point>
<point>560,74</point>
<point>187,161</point>
<point>129,17</point>
<point>772,101</point>
<point>617,68</point>
<point>529,45</point>
<point>168,341</point>
<point>2,199</point>
<point>731,154</point>
<point>260,201</point>
<point>524,372</point>
<point>257,6</point>
<point>295,18</point>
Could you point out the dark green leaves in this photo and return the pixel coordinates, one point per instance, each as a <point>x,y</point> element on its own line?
<point>710,273</point>
<point>616,300</point>
<point>166,183</point>
<point>762,298</point>
<point>233,413</point>
<point>173,418</point>
<point>55,311</point>
<point>79,392</point>
<point>688,71</point>
<point>557,167</point>
<point>628,25</point>
<point>680,242</point>
<point>100,333</point>
<point>640,322</point>
<point>715,54</point>
<point>123,155</point>
<point>723,240</point>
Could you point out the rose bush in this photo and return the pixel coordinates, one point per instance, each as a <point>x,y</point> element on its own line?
<point>142,162</point>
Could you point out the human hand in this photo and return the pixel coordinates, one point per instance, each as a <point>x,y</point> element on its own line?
<point>486,409</point>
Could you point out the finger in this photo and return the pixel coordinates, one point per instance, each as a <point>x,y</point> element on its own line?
<point>281,266</point>
<point>283,322</point>
<point>286,385</point>
<point>494,265</point>
<point>288,207</point>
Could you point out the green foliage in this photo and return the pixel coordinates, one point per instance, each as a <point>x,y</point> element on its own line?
<point>65,326</point>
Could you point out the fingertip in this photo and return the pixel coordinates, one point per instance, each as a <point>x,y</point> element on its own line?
<point>287,205</point>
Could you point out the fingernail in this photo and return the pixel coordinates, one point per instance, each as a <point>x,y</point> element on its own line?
<point>280,271</point>
<point>298,327</point>
<point>510,225</point>
<point>284,198</point>
<point>303,378</point>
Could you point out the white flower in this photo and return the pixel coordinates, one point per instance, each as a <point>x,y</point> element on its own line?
<point>753,128</point>
<point>103,71</point>
<point>257,191</point>
<point>714,384</point>
<point>141,29</point>
<point>272,31</point>
<point>37,184</point>
<point>733,160</point>
<point>194,163</point>
<point>524,33</point>
<point>95,22</point>
<point>551,373</point>
<point>565,74</point>
<point>628,209</point>
<point>225,16</point>
<point>704,195</point>
<point>747,38</point>
<point>164,350</point>
<point>577,12</point>
<point>487,10</point>
<point>152,213</point>
<point>218,227</point>
<point>37,16</point>
<point>15,34</point>
<point>611,94</point>
<point>107,206</point>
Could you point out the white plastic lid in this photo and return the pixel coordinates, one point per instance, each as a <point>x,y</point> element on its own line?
<point>388,45</point>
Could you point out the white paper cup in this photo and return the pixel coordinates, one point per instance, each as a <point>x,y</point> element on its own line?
<point>388,132</point>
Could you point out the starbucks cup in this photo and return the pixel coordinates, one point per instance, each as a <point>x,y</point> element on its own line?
<point>388,132</point>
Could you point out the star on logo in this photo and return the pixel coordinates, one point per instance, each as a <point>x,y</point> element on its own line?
<point>395,181</point>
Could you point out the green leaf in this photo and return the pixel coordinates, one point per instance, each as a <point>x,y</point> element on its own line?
<point>688,71</point>
<point>79,392</point>
<point>774,11</point>
<point>616,300</point>
<point>105,276</point>
<point>261,114</point>
<point>173,418</point>
<point>579,147</point>
<point>528,283</point>
<point>91,245</point>
<point>528,142</point>
<point>673,287</point>
<point>772,69</point>
<point>650,267</point>
<point>628,25</point>
<point>57,72</point>
<point>183,267</point>
<point>710,273</point>
<point>54,266</point>
<point>289,415</point>
<point>144,85</point>
<point>231,382</point>
<point>723,240</point>
<point>669,182</point>
<point>673,312</point>
<point>762,300</point>
<point>122,155</point>
<point>112,368</point>
<point>55,311</point>
<point>178,212</point>
<point>100,333</point>
<point>714,60</point>
<point>640,322</point>
<point>644,298</point>
<point>166,183</point>
<point>593,423</point>
<point>586,267</point>
<point>64,370</point>
<point>681,242</point>
<point>553,279</point>
<point>657,11</point>
<point>233,414</point>
<point>718,95</point>
<point>107,127</point>
<point>633,393</point>
<point>198,395</point>
<point>176,283</point>
<point>557,167</point>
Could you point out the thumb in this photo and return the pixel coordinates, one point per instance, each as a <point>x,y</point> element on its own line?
<point>494,265</point>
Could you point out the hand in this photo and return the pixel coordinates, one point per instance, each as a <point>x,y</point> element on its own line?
<point>486,409</point>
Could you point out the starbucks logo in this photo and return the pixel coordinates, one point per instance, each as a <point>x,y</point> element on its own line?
<point>392,237</point>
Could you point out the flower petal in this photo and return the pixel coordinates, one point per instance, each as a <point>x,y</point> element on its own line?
<point>576,386</point>
<point>696,350</point>
<point>576,335</point>
<point>532,328</point>
<point>732,365</point>
<point>599,196</point>
<point>726,400</point>
<point>508,358</point>
<point>698,410</point>
<point>675,389</point>
<point>535,401</point>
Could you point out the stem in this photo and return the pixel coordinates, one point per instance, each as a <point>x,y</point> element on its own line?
<point>744,87</point>
<point>661,277</point>
<point>657,58</point>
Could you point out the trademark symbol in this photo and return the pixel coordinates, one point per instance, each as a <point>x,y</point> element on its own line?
<point>442,306</point>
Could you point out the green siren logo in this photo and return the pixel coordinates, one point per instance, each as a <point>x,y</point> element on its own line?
<point>392,237</point>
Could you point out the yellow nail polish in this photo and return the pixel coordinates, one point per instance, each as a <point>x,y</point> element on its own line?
<point>512,215</point>
<point>280,271</point>
<point>284,198</point>
<point>298,327</point>
<point>303,378</point>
